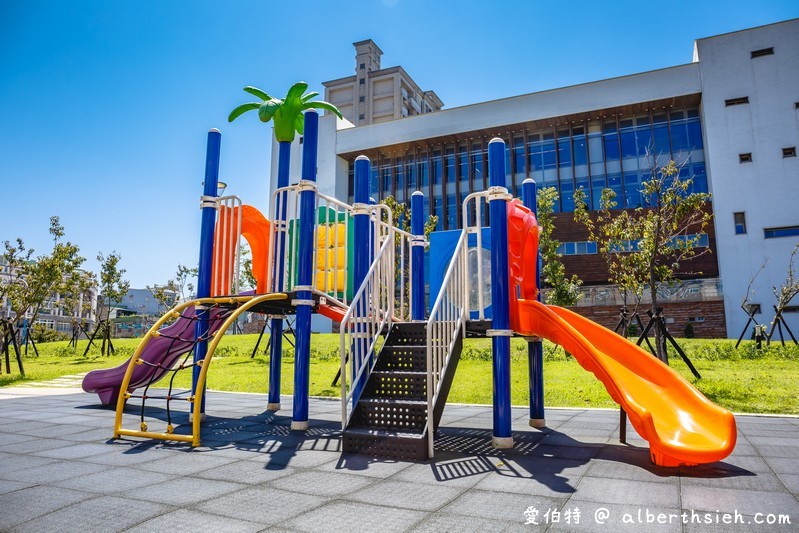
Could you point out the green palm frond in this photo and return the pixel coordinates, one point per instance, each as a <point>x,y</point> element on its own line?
<point>321,104</point>
<point>268,109</point>
<point>296,91</point>
<point>255,91</point>
<point>287,114</point>
<point>243,108</point>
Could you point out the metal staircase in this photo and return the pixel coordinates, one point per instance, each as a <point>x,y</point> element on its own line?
<point>391,417</point>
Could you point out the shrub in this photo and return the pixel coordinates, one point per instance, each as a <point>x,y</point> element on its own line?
<point>40,333</point>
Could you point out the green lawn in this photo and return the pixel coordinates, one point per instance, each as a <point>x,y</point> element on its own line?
<point>744,380</point>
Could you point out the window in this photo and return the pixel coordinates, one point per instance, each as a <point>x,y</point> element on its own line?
<point>696,319</point>
<point>763,52</point>
<point>736,101</point>
<point>740,223</point>
<point>362,66</point>
<point>361,98</point>
<point>789,152</point>
<point>361,116</point>
<point>787,231</point>
<point>361,81</point>
<point>745,158</point>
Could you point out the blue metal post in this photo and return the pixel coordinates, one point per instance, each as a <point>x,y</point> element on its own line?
<point>276,337</point>
<point>361,260</point>
<point>206,254</point>
<point>500,294</point>
<point>535,349</point>
<point>304,302</point>
<point>417,256</point>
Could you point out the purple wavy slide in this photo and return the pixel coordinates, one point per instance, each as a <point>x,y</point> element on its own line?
<point>162,351</point>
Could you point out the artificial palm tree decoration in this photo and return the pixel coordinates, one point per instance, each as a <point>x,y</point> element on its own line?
<point>287,113</point>
<point>289,118</point>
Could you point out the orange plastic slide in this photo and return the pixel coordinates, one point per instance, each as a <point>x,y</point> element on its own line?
<point>682,426</point>
<point>256,229</point>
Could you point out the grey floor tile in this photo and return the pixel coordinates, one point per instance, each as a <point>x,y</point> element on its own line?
<point>184,491</point>
<point>11,462</point>
<point>7,439</point>
<point>76,451</point>
<point>446,522</point>
<point>629,492</point>
<point>499,506</point>
<point>407,495</point>
<point>364,465</point>
<point>464,472</point>
<point>183,464</point>
<point>249,472</point>
<point>783,465</point>
<point>744,501</point>
<point>603,517</point>
<point>322,483</point>
<point>10,486</point>
<point>637,471</point>
<point>54,472</point>
<point>103,514</point>
<point>187,521</point>
<point>354,516</point>
<point>763,481</point>
<point>265,505</point>
<point>791,482</point>
<point>23,505</point>
<point>111,480</point>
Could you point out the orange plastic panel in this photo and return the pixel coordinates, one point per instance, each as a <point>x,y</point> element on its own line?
<point>256,229</point>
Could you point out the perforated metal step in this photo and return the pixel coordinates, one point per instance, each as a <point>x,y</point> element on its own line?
<point>391,417</point>
<point>396,385</point>
<point>401,415</point>
<point>386,443</point>
<point>402,358</point>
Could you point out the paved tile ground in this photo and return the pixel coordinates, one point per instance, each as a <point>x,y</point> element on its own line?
<point>59,470</point>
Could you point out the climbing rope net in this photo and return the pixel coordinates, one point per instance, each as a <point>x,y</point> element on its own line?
<point>180,342</point>
<point>180,350</point>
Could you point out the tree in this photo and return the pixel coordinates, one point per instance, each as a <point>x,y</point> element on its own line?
<point>401,218</point>
<point>784,294</point>
<point>657,237</point>
<point>177,289</point>
<point>113,289</point>
<point>287,113</point>
<point>610,230</point>
<point>33,282</point>
<point>76,300</point>
<point>246,277</point>
<point>564,291</point>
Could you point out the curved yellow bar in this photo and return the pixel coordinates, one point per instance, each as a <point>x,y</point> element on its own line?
<point>249,301</point>
<point>199,391</point>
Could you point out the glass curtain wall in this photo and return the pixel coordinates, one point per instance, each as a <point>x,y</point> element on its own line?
<point>616,152</point>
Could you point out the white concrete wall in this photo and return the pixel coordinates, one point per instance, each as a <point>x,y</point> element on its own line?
<point>767,189</point>
<point>665,83</point>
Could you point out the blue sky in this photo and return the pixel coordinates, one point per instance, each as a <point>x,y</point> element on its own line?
<point>105,105</point>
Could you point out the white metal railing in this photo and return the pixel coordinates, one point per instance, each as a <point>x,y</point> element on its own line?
<point>333,249</point>
<point>383,297</point>
<point>369,316</point>
<point>452,305</point>
<point>227,246</point>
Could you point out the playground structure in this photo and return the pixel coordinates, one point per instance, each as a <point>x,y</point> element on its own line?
<point>350,263</point>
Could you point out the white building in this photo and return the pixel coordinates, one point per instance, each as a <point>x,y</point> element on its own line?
<point>376,94</point>
<point>732,115</point>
